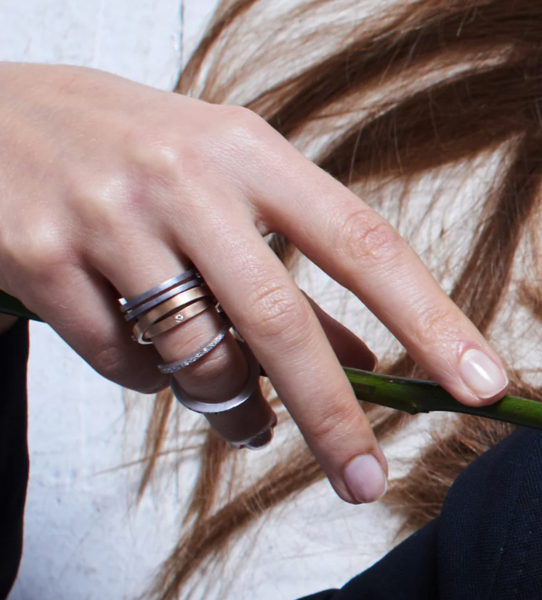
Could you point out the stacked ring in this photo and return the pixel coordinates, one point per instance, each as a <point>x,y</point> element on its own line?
<point>178,303</point>
<point>182,316</point>
<point>175,302</point>
<point>129,305</point>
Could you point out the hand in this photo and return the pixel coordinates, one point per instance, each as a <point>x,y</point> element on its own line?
<point>110,188</point>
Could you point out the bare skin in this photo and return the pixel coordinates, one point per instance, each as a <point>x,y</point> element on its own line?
<point>126,186</point>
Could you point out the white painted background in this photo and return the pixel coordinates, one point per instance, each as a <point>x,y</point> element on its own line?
<point>84,538</point>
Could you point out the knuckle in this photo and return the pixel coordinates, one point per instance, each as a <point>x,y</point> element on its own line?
<point>232,135</point>
<point>108,355</point>
<point>41,252</point>
<point>435,323</point>
<point>166,167</point>
<point>365,237</point>
<point>241,120</point>
<point>157,162</point>
<point>244,132</point>
<point>278,313</point>
<point>337,421</point>
<point>109,359</point>
<point>99,202</point>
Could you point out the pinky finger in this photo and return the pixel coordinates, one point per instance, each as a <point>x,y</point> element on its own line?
<point>85,315</point>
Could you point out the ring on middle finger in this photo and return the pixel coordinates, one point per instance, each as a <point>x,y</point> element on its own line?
<point>177,318</point>
<point>178,303</point>
<point>243,420</point>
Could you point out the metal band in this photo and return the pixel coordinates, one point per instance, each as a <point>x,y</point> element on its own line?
<point>162,310</point>
<point>162,298</point>
<point>128,305</point>
<point>178,318</point>
<point>181,364</point>
<point>218,407</point>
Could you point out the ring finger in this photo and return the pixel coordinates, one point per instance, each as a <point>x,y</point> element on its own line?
<point>215,376</point>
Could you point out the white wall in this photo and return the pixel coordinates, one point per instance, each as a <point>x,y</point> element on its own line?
<point>84,538</point>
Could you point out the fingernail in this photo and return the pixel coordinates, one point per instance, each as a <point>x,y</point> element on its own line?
<point>365,478</point>
<point>483,376</point>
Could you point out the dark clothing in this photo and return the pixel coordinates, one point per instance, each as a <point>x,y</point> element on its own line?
<point>13,450</point>
<point>485,545</point>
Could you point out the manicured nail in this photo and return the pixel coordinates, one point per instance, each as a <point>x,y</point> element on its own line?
<point>365,478</point>
<point>484,377</point>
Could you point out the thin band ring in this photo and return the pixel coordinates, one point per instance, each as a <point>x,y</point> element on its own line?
<point>178,318</point>
<point>163,310</point>
<point>156,290</point>
<point>182,364</point>
<point>217,407</point>
<point>165,296</point>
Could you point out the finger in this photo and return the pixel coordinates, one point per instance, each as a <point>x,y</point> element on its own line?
<point>82,308</point>
<point>218,375</point>
<point>349,349</point>
<point>278,323</point>
<point>365,254</point>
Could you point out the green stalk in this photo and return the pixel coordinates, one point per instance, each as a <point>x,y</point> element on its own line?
<point>11,306</point>
<point>409,395</point>
<point>415,396</point>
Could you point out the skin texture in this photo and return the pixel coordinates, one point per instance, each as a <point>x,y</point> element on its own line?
<point>126,185</point>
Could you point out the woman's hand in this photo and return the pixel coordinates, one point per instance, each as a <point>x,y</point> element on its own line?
<point>110,188</point>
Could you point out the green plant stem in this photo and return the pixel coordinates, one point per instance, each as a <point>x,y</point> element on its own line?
<point>11,306</point>
<point>415,396</point>
<point>409,395</point>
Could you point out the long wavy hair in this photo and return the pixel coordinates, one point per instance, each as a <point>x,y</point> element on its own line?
<point>432,111</point>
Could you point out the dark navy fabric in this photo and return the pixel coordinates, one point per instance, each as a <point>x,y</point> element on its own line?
<point>14,346</point>
<point>485,545</point>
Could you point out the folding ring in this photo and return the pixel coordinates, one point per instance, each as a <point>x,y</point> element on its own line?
<point>178,318</point>
<point>181,364</point>
<point>128,305</point>
<point>218,407</point>
<point>163,310</point>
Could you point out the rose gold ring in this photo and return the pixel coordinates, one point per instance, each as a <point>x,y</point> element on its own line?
<point>178,318</point>
<point>166,308</point>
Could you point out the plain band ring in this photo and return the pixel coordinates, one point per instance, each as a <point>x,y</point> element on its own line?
<point>177,302</point>
<point>181,364</point>
<point>165,296</point>
<point>156,290</point>
<point>218,407</point>
<point>145,335</point>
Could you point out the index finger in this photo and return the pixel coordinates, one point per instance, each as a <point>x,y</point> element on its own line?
<point>364,253</point>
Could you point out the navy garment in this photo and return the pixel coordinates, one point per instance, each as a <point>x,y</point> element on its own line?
<point>13,449</point>
<point>485,545</point>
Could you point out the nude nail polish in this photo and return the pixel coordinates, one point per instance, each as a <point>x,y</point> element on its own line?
<point>365,478</point>
<point>481,374</point>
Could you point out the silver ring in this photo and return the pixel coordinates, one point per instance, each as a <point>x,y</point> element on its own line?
<point>181,364</point>
<point>163,297</point>
<point>128,305</point>
<point>218,407</point>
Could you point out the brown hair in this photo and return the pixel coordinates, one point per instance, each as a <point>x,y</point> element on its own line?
<point>408,107</point>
